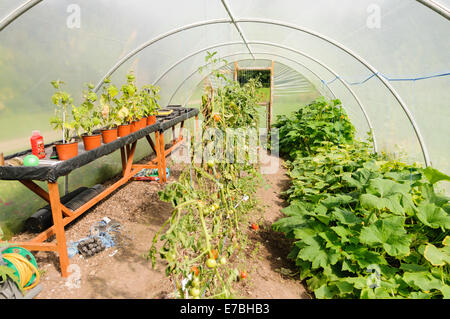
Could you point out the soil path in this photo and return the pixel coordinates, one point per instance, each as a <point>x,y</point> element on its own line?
<point>272,275</point>
<point>123,271</point>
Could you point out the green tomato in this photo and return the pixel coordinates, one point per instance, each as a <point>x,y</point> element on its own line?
<point>211,263</point>
<point>210,163</point>
<point>196,282</point>
<point>195,292</point>
<point>223,260</point>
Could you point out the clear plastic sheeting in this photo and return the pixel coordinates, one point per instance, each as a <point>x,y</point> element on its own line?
<point>290,88</point>
<point>323,46</point>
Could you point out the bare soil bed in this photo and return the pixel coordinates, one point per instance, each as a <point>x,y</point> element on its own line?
<point>124,272</point>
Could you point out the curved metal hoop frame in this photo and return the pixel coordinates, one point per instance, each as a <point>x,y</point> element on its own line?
<point>13,15</point>
<point>358,101</point>
<point>430,4</point>
<point>294,27</point>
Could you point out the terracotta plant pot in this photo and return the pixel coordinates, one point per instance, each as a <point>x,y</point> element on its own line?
<point>67,151</point>
<point>123,130</point>
<point>143,122</point>
<point>135,126</point>
<point>109,135</point>
<point>151,120</point>
<point>92,141</point>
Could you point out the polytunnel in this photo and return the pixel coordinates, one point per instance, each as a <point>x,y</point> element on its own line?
<point>387,61</point>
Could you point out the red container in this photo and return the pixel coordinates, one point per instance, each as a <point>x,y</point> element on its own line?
<point>66,151</point>
<point>142,123</point>
<point>37,144</point>
<point>135,126</point>
<point>109,135</point>
<point>92,141</point>
<point>123,130</point>
<point>151,120</point>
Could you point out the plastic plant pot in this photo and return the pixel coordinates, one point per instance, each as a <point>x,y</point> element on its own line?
<point>135,126</point>
<point>143,122</point>
<point>151,120</point>
<point>92,141</point>
<point>123,130</point>
<point>66,151</point>
<point>109,135</point>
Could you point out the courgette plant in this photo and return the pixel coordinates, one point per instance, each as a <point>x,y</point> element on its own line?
<point>363,225</point>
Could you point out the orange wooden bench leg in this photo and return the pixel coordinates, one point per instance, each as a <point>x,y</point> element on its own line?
<point>162,148</point>
<point>59,228</point>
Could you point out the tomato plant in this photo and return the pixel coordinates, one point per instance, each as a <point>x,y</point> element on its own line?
<point>205,224</point>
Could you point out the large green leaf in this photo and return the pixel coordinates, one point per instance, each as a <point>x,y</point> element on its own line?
<point>437,256</point>
<point>363,256</point>
<point>385,193</point>
<point>445,291</point>
<point>371,201</point>
<point>317,254</point>
<point>434,176</point>
<point>388,233</point>
<point>326,292</point>
<point>422,280</point>
<point>385,187</point>
<point>446,241</point>
<point>433,216</point>
<point>346,217</point>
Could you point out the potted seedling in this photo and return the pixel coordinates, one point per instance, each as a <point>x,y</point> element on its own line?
<point>131,101</point>
<point>110,119</point>
<point>123,115</point>
<point>68,147</point>
<point>88,117</point>
<point>149,97</point>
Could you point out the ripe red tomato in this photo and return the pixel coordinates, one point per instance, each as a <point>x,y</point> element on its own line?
<point>214,254</point>
<point>195,270</point>
<point>255,226</point>
<point>243,274</point>
<point>216,117</point>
